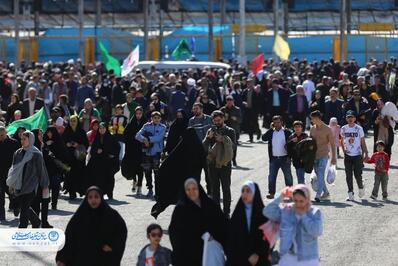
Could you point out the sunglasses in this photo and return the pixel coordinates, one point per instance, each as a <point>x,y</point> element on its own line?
<point>156,235</point>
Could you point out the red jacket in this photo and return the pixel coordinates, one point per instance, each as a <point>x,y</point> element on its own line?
<point>381,161</point>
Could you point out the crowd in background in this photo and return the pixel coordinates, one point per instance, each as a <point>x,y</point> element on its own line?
<point>97,120</point>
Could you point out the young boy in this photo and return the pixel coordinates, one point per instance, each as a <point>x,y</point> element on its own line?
<point>382,164</point>
<point>154,254</point>
<point>292,151</point>
<point>117,126</point>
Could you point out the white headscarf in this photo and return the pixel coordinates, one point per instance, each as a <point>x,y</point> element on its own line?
<point>251,186</point>
<point>249,207</point>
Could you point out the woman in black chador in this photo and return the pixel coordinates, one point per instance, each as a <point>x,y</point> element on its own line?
<point>76,142</point>
<point>95,236</point>
<point>176,131</point>
<point>194,215</point>
<point>131,163</point>
<point>245,246</point>
<point>54,153</point>
<point>104,160</point>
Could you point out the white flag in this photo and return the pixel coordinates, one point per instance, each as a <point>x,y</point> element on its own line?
<point>131,61</point>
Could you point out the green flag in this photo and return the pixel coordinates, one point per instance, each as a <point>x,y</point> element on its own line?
<point>38,120</point>
<point>181,50</point>
<point>109,61</point>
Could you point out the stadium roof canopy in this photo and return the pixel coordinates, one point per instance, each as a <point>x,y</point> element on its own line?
<point>304,15</point>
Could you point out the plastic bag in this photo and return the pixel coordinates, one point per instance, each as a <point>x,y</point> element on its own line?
<point>331,175</point>
<point>270,232</point>
<point>213,253</point>
<point>314,180</point>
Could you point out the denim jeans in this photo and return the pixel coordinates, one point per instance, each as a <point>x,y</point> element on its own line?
<point>300,172</point>
<point>277,163</point>
<point>320,168</point>
<point>383,179</point>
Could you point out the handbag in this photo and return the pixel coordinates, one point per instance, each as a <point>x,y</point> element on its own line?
<point>213,253</point>
<point>270,232</point>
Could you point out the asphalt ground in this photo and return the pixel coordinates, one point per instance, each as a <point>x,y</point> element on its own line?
<point>363,232</point>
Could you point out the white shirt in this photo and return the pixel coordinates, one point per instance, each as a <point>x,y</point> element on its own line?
<point>279,143</point>
<point>309,88</point>
<point>352,139</point>
<point>31,107</point>
<point>149,257</point>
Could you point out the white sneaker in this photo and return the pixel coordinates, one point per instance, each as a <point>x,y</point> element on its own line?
<point>361,192</point>
<point>350,196</point>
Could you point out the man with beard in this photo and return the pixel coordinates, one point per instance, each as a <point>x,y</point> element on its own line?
<point>224,135</point>
<point>233,119</point>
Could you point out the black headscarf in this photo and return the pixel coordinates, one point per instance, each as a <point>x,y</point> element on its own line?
<point>36,132</point>
<point>58,146</point>
<point>16,137</point>
<point>89,230</point>
<point>176,131</point>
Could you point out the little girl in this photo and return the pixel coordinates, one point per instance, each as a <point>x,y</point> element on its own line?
<point>334,126</point>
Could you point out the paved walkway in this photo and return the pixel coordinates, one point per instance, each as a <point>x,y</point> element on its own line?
<point>355,233</point>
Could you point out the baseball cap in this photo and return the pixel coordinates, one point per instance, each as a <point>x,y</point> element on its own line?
<point>350,113</point>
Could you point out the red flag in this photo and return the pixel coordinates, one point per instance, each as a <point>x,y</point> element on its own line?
<point>257,63</point>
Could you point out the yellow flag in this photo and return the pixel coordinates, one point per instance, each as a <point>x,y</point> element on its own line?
<point>281,48</point>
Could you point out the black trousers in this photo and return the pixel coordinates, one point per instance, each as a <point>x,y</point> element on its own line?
<point>207,177</point>
<point>221,176</point>
<point>251,123</point>
<point>353,164</point>
<point>2,201</point>
<point>149,164</point>
<point>298,117</point>
<point>27,213</point>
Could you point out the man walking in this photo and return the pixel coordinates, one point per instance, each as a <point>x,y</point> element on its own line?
<point>355,151</point>
<point>277,137</point>
<point>152,136</point>
<point>219,159</point>
<point>323,137</point>
<point>233,119</point>
<point>298,106</point>
<point>201,123</point>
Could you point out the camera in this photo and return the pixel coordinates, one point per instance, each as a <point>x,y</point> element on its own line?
<point>147,135</point>
<point>217,130</point>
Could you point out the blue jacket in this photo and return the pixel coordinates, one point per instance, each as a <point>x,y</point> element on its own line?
<point>305,231</point>
<point>155,134</point>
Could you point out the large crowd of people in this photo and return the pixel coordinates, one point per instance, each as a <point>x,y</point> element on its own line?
<point>99,123</point>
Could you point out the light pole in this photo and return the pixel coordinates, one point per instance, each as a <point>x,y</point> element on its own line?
<point>242,33</point>
<point>211,37</point>
<point>146,42</point>
<point>81,26</point>
<point>16,21</point>
<point>343,27</point>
